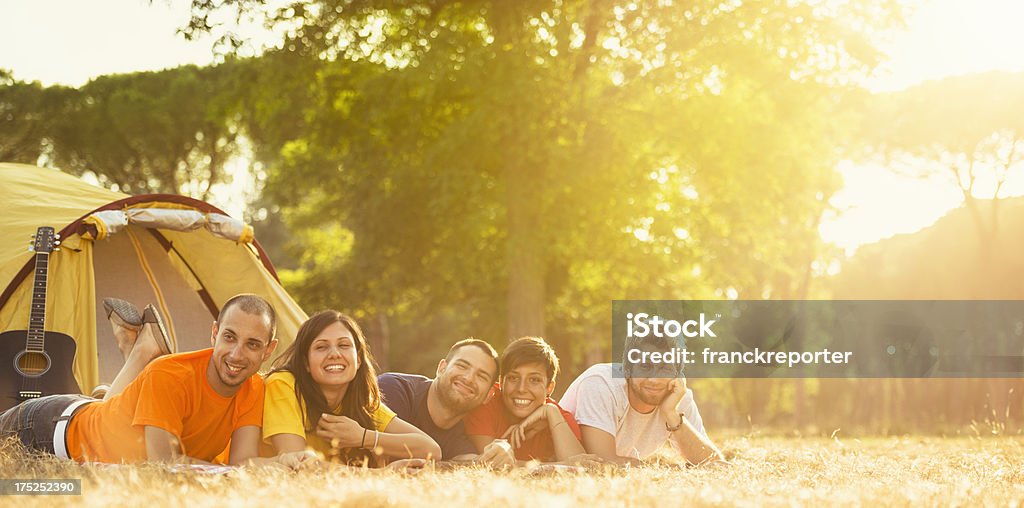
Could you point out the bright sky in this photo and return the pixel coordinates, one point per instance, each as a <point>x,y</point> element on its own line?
<point>944,38</point>
<point>71,41</point>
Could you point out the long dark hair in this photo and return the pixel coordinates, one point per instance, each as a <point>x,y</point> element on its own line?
<point>362,396</point>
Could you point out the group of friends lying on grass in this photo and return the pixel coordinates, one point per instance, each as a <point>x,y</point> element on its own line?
<point>322,401</point>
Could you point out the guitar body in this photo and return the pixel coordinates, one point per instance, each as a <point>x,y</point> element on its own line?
<point>29,367</point>
<point>25,375</point>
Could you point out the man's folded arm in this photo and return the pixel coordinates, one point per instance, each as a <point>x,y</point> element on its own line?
<point>601,443</point>
<point>162,446</point>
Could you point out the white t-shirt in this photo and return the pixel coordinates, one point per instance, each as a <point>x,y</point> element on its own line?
<point>599,399</point>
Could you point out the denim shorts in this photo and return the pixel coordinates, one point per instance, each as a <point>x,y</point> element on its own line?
<point>35,421</point>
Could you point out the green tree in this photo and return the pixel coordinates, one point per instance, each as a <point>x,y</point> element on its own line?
<point>167,131</point>
<point>533,160</point>
<point>27,110</point>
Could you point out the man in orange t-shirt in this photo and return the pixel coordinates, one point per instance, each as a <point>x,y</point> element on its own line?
<point>181,407</point>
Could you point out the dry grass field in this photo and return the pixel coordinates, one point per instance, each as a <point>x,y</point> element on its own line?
<point>907,471</point>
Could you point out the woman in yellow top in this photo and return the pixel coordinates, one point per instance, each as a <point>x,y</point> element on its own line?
<point>322,395</point>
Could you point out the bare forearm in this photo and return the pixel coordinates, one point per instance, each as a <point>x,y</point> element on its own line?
<point>162,446</point>
<point>565,442</point>
<point>602,443</point>
<point>694,446</point>
<point>405,446</point>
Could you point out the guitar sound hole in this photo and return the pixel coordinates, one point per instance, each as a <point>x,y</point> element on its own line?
<point>31,363</point>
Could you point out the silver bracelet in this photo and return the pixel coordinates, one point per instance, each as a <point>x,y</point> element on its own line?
<point>376,439</point>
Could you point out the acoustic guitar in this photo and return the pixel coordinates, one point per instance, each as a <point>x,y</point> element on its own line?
<point>39,361</point>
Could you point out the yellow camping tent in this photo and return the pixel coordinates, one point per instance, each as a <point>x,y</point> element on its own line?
<point>181,254</point>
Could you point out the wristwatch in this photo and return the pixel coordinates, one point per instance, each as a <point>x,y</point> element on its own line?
<point>682,419</point>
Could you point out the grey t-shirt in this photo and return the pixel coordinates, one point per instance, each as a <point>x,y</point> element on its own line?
<point>599,399</point>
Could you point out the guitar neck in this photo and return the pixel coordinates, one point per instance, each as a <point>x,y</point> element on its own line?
<point>37,316</point>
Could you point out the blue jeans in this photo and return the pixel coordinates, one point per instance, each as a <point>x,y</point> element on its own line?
<point>34,421</point>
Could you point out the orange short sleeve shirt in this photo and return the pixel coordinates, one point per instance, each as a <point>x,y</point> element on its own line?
<point>171,393</point>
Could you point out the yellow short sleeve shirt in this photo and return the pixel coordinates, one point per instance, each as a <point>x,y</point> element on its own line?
<point>283,414</point>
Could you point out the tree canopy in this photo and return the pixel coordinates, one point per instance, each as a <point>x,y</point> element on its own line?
<point>507,168</point>
<point>169,131</point>
<point>524,163</point>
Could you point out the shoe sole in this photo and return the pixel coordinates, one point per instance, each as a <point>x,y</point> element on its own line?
<point>150,315</point>
<point>125,311</point>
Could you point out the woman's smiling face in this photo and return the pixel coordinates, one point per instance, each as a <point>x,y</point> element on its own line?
<point>333,359</point>
<point>525,388</point>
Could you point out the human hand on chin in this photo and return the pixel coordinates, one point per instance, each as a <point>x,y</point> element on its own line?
<point>529,426</point>
<point>668,406</point>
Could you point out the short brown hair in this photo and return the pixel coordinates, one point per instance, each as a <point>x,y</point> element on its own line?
<point>252,304</point>
<point>660,344</point>
<point>529,350</point>
<point>483,345</point>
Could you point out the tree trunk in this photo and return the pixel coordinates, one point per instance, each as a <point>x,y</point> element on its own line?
<point>377,334</point>
<point>524,190</point>
<point>525,257</point>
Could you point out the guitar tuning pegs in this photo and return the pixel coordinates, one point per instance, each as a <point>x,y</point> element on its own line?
<point>56,249</point>
<point>57,236</point>
<point>57,242</point>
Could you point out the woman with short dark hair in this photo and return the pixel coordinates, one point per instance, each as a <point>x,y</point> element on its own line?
<point>522,409</point>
